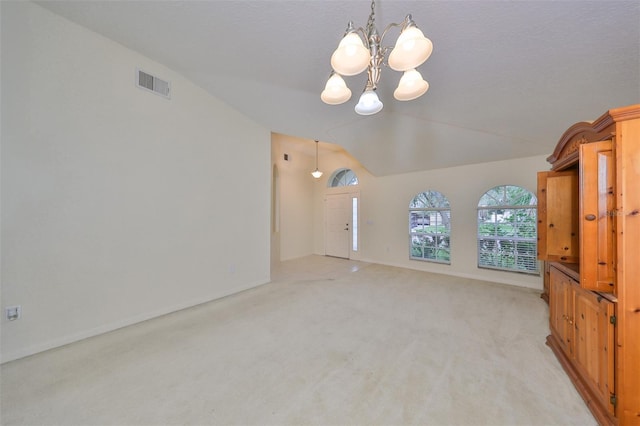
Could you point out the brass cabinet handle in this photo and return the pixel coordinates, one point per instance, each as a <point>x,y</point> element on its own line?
<point>590,217</point>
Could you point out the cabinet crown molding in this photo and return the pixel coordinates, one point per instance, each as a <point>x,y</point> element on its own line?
<point>565,153</point>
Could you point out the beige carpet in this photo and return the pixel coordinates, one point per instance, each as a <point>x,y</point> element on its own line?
<point>329,342</point>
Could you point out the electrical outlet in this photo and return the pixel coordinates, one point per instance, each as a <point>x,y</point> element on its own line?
<point>13,312</point>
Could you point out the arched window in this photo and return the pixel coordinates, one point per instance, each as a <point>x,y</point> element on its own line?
<point>507,234</point>
<point>430,227</point>
<point>343,177</point>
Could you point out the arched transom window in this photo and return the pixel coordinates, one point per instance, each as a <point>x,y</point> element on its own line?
<point>343,177</point>
<point>507,234</point>
<point>430,227</point>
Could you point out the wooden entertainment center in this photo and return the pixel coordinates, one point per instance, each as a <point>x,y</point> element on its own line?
<point>589,240</point>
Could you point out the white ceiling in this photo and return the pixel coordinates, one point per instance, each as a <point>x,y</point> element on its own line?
<point>507,77</point>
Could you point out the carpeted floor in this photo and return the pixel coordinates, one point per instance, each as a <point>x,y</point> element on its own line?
<point>328,342</point>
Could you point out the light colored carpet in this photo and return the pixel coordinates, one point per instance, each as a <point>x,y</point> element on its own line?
<point>330,342</point>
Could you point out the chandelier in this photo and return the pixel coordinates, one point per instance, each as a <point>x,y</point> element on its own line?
<point>361,49</point>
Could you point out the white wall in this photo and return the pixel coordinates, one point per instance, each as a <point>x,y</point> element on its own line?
<point>296,198</point>
<point>385,203</point>
<point>117,204</point>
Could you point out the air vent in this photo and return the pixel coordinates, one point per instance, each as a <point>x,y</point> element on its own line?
<point>153,84</point>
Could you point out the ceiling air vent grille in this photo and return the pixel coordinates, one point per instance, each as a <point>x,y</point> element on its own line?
<point>152,83</point>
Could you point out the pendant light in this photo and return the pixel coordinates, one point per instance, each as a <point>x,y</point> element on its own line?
<point>316,173</point>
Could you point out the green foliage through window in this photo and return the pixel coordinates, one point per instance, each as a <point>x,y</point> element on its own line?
<point>430,227</point>
<point>507,233</point>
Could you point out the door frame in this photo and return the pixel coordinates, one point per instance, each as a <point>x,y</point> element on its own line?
<point>353,254</point>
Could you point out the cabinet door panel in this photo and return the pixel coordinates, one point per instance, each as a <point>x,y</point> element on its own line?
<point>594,349</point>
<point>558,228</point>
<point>597,221</point>
<point>561,309</point>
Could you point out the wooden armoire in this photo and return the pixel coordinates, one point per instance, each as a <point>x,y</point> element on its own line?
<point>589,240</point>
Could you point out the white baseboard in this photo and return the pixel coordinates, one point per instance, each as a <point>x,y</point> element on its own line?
<point>96,331</point>
<point>507,281</point>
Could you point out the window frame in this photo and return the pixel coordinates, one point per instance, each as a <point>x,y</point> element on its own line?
<point>512,238</point>
<point>339,178</point>
<point>435,236</point>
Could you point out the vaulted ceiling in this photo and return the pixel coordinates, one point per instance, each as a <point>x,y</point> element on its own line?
<point>506,77</point>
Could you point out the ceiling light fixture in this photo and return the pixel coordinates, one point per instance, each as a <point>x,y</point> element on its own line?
<point>360,49</point>
<point>316,173</point>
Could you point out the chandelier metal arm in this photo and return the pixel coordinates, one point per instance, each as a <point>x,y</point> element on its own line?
<point>364,36</point>
<point>388,27</point>
<point>361,31</point>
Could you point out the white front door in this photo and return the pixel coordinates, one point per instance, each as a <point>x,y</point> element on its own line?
<point>338,225</point>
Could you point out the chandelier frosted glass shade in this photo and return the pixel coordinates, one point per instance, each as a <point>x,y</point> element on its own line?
<point>411,86</point>
<point>351,57</point>
<point>369,103</point>
<point>335,91</point>
<point>410,51</point>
